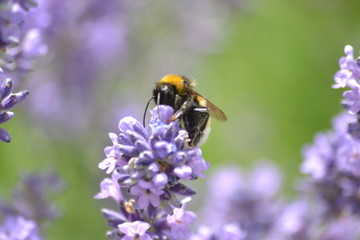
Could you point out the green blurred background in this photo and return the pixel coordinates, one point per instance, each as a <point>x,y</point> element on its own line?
<point>271,74</point>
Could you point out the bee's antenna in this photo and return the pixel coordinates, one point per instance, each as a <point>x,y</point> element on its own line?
<point>146,108</point>
<point>158,102</point>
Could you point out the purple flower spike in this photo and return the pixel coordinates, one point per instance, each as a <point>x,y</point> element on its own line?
<point>147,165</point>
<point>153,158</point>
<point>19,228</point>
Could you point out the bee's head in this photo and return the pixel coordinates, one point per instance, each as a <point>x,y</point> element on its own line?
<point>164,93</point>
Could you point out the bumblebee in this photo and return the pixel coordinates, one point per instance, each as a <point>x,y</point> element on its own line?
<point>193,110</point>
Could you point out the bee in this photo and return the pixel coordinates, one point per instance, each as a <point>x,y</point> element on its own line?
<point>193,110</point>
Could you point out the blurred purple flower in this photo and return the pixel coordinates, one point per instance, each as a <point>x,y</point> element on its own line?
<point>319,157</point>
<point>20,41</point>
<point>353,98</point>
<point>246,200</point>
<point>229,231</point>
<point>296,221</point>
<point>344,228</point>
<point>333,162</point>
<point>10,24</point>
<point>27,4</point>
<point>19,228</point>
<point>29,210</point>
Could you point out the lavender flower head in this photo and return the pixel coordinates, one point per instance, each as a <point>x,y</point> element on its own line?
<point>246,202</point>
<point>333,163</point>
<point>29,211</point>
<point>20,40</point>
<point>19,228</point>
<point>349,76</point>
<point>7,101</point>
<point>148,165</point>
<point>333,160</point>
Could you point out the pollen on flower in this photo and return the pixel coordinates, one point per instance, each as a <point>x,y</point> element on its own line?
<point>129,206</point>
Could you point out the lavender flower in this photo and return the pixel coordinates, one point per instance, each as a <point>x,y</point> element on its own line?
<point>7,101</point>
<point>19,44</point>
<point>344,228</point>
<point>29,210</point>
<point>247,202</point>
<point>334,164</point>
<point>148,165</point>
<point>349,76</point>
<point>135,230</point>
<point>151,161</point>
<point>226,232</point>
<point>10,24</point>
<point>333,159</point>
<point>349,72</point>
<point>179,222</point>
<point>19,228</point>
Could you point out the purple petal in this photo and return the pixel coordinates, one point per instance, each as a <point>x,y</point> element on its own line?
<point>5,88</point>
<point>5,116</point>
<point>4,136</point>
<point>12,99</point>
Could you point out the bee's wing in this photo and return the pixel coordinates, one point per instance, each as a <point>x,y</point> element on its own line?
<point>214,111</point>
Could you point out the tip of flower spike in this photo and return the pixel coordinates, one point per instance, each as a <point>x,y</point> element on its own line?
<point>4,136</point>
<point>161,112</point>
<point>349,50</point>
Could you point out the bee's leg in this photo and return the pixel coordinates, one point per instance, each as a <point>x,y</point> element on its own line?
<point>184,108</point>
<point>196,122</point>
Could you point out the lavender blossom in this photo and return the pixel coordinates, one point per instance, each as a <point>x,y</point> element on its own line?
<point>135,230</point>
<point>148,165</point>
<point>333,159</point>
<point>10,25</point>
<point>20,43</point>
<point>344,228</point>
<point>334,164</point>
<point>7,101</point>
<point>19,228</point>
<point>349,76</point>
<point>29,210</point>
<point>151,161</point>
<point>349,72</point>
<point>247,202</point>
<point>226,232</point>
<point>180,221</point>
